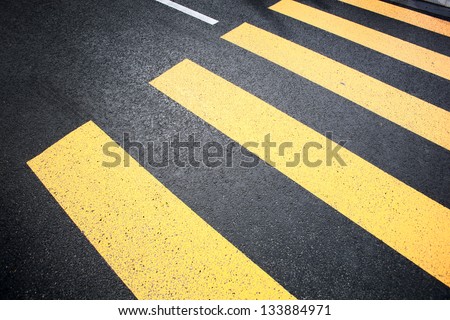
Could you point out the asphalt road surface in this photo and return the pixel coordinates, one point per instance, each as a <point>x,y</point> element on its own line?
<point>143,70</point>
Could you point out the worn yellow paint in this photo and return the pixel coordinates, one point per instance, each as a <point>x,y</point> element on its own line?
<point>416,115</point>
<point>158,246</point>
<point>405,219</point>
<point>402,14</point>
<point>412,54</point>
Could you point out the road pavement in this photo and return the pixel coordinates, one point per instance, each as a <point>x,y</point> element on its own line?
<point>65,64</point>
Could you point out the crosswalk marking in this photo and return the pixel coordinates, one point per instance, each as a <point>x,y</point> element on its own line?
<point>158,246</point>
<point>412,54</point>
<point>395,105</point>
<point>402,14</point>
<point>405,219</point>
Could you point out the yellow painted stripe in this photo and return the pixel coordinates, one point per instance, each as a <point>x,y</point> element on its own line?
<point>158,246</point>
<point>416,115</point>
<point>405,219</point>
<point>412,54</point>
<point>402,14</point>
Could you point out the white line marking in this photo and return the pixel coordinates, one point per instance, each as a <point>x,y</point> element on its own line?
<point>188,11</point>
